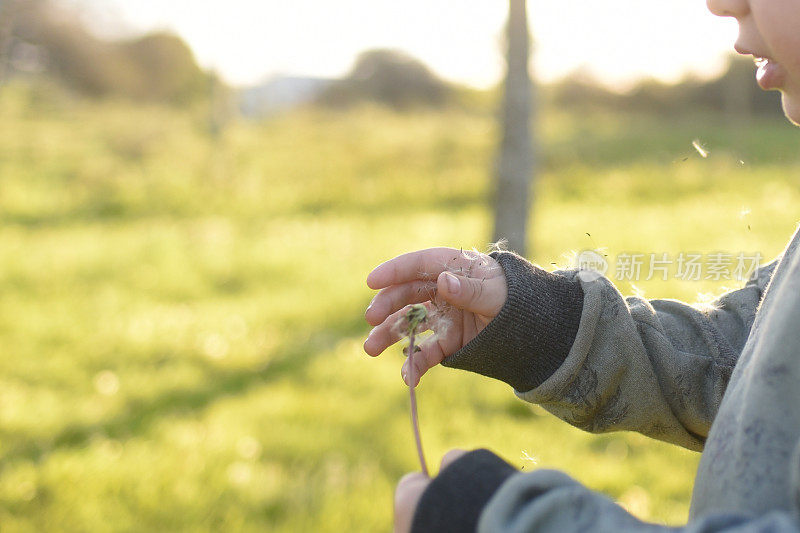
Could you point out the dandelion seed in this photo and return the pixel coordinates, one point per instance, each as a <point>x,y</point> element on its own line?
<point>529,458</point>
<point>744,211</point>
<point>425,276</point>
<point>499,246</point>
<point>700,148</point>
<point>594,244</point>
<point>637,291</point>
<point>705,298</point>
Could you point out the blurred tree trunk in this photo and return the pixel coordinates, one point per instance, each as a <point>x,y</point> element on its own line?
<point>6,22</point>
<point>515,159</point>
<point>216,118</point>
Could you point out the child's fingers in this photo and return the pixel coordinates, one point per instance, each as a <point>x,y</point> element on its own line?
<point>385,334</point>
<point>406,497</point>
<point>429,356</point>
<point>434,352</point>
<point>419,371</point>
<point>394,298</point>
<point>453,341</point>
<point>451,457</point>
<point>417,265</point>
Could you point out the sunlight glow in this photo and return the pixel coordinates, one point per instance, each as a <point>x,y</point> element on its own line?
<point>616,41</point>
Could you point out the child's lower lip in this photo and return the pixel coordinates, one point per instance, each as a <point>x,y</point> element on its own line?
<point>770,75</point>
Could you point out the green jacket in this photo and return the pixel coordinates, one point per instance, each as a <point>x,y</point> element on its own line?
<point>723,378</point>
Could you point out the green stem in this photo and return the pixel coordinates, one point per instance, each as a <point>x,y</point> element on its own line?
<point>414,419</point>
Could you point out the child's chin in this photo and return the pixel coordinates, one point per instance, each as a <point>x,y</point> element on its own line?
<point>791,107</point>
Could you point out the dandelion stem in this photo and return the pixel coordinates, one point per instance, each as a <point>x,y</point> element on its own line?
<point>414,418</point>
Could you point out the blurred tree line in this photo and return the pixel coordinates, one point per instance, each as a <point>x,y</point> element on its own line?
<point>389,77</point>
<point>40,37</point>
<point>734,94</point>
<point>43,38</point>
<point>400,81</point>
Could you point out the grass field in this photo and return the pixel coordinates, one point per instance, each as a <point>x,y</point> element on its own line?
<point>181,317</point>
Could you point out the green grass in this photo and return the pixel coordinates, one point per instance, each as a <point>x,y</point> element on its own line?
<point>181,320</point>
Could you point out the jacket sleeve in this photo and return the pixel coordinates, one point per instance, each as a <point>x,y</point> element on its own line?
<point>603,362</point>
<point>548,501</point>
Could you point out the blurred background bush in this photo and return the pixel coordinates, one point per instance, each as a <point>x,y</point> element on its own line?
<point>45,39</point>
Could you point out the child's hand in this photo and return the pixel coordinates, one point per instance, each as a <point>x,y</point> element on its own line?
<point>471,286</point>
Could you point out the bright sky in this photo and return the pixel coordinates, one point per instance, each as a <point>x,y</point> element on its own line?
<point>249,40</point>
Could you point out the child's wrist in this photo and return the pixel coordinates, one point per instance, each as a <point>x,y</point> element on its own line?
<point>534,331</point>
<point>454,499</point>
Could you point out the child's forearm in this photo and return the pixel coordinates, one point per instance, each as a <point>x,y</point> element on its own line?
<point>481,492</point>
<point>659,367</point>
<point>547,501</point>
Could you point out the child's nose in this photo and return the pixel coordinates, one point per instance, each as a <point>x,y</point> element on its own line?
<point>728,8</point>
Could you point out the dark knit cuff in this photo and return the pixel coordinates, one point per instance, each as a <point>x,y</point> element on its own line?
<point>534,331</point>
<point>454,500</point>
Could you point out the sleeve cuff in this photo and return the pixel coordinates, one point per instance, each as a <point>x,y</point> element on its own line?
<point>454,500</point>
<point>534,331</point>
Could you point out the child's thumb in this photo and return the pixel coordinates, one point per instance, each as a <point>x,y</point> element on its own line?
<point>481,296</point>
